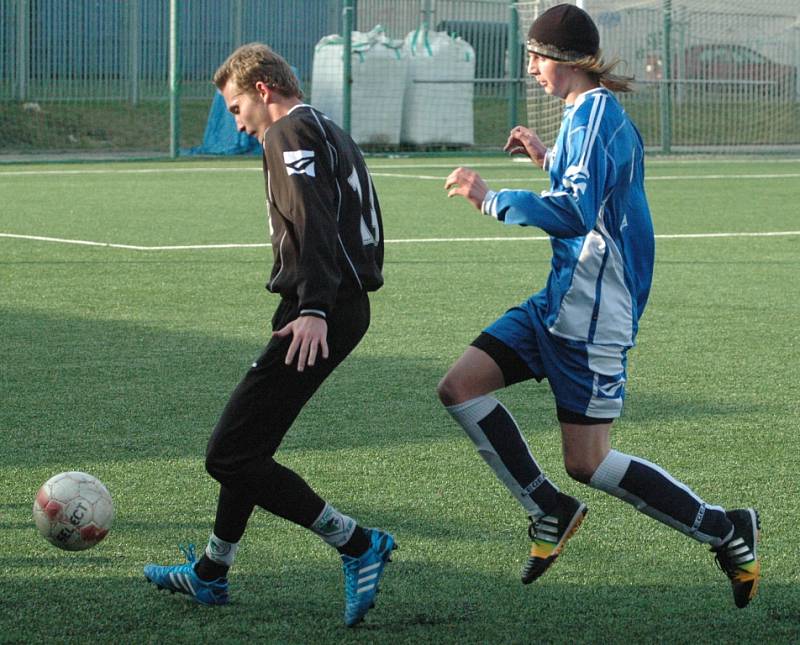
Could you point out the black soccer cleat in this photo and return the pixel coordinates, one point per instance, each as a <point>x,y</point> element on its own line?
<point>738,557</point>
<point>550,533</point>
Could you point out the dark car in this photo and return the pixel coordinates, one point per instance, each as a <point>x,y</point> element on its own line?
<point>723,68</point>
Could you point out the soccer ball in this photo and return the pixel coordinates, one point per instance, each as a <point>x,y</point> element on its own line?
<point>73,511</point>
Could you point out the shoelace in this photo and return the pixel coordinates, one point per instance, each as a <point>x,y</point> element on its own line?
<point>188,553</point>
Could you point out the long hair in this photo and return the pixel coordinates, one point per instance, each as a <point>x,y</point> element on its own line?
<point>602,72</point>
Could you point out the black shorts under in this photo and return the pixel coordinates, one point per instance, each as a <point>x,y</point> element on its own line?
<point>515,370</point>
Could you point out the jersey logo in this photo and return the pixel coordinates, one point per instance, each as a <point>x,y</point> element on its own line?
<point>575,177</point>
<point>609,386</point>
<point>299,162</point>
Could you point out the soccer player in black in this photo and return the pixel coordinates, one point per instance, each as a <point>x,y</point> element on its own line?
<point>327,241</point>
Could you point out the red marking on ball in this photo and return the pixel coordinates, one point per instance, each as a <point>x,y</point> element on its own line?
<point>92,533</point>
<point>52,509</point>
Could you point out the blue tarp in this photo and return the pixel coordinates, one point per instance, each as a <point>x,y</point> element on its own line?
<point>221,136</point>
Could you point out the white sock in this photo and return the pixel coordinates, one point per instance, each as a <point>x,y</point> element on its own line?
<point>333,527</point>
<point>220,551</point>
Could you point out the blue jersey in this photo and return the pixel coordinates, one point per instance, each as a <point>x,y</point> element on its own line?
<point>597,216</point>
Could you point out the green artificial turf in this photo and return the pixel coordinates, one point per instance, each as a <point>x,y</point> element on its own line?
<point>118,361</point>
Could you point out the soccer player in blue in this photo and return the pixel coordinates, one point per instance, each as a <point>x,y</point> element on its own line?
<point>577,331</point>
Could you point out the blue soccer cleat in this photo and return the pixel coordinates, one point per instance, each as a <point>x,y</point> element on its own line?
<point>363,574</point>
<point>181,578</point>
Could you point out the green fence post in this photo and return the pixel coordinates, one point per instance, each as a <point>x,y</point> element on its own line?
<point>23,48</point>
<point>174,78</point>
<point>238,24</point>
<point>347,63</point>
<point>513,64</point>
<point>134,49</point>
<point>427,14</point>
<point>666,80</point>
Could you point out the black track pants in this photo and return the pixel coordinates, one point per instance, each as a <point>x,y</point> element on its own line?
<point>263,407</point>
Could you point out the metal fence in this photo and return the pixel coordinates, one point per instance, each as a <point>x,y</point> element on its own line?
<point>73,50</point>
<point>65,63</point>
<point>79,75</point>
<point>118,49</point>
<point>716,76</point>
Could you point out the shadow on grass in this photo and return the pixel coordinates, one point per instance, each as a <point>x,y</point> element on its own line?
<point>76,390</point>
<point>75,387</point>
<point>301,602</point>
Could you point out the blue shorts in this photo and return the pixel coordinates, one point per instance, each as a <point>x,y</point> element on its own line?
<point>586,379</point>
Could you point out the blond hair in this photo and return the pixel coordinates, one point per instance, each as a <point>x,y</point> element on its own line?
<point>253,63</point>
<point>602,72</point>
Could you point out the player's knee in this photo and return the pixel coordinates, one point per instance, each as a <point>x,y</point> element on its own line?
<point>223,462</point>
<point>579,469</point>
<point>450,391</point>
<point>215,467</point>
<point>237,472</point>
<point>224,468</point>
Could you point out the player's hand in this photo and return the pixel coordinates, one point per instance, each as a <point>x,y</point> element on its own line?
<point>524,141</point>
<point>309,339</point>
<point>467,183</point>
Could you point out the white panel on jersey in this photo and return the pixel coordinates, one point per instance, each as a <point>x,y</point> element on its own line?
<point>615,315</point>
<point>575,316</point>
<point>299,162</point>
<point>376,229</point>
<point>355,184</point>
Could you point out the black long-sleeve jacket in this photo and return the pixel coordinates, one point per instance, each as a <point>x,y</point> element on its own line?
<point>325,220</point>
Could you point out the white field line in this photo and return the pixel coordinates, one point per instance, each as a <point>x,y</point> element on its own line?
<point>131,247</point>
<point>377,172</point>
<point>415,240</point>
<point>402,175</point>
<point>376,168</point>
<point>212,169</point>
<point>124,171</point>
<point>509,180</point>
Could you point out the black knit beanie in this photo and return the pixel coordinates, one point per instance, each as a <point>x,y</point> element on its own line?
<point>564,33</point>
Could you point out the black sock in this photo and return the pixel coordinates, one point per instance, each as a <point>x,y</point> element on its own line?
<point>208,570</point>
<point>357,544</point>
